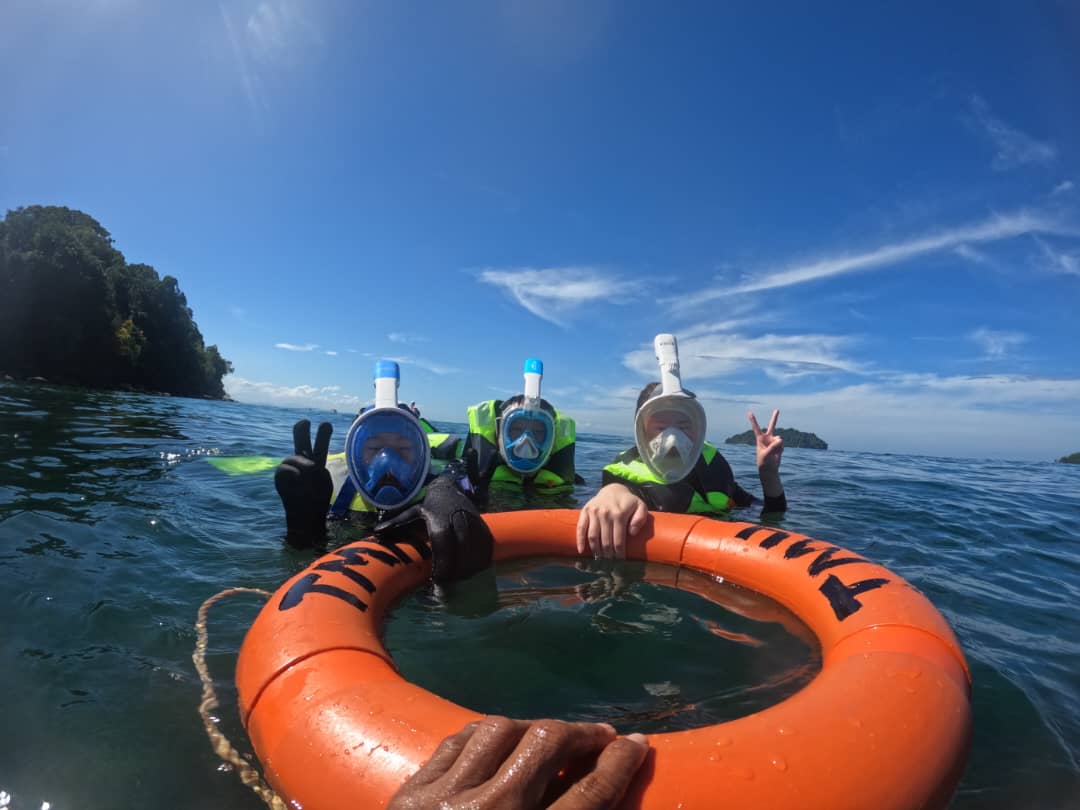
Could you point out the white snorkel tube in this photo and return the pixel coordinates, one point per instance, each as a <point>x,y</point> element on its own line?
<point>669,428</point>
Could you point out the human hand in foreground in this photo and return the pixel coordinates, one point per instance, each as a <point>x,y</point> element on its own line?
<point>502,764</point>
<point>461,542</point>
<point>304,484</point>
<point>611,515</point>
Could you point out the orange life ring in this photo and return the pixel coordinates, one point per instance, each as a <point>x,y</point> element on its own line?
<point>885,724</point>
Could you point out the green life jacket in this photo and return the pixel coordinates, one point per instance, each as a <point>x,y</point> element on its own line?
<point>558,470</point>
<point>707,490</point>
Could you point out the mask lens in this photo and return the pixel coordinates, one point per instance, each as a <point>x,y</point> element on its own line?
<point>387,457</point>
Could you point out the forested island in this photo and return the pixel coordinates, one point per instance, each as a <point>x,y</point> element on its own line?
<point>1073,459</point>
<point>791,437</point>
<point>73,310</point>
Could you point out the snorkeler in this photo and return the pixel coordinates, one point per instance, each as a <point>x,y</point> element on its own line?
<point>388,463</point>
<point>523,441</point>
<point>672,468</point>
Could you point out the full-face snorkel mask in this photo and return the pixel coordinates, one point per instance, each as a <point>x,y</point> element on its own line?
<point>669,428</point>
<point>527,425</point>
<point>386,450</point>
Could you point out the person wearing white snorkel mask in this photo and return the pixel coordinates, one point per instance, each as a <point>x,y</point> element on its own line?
<point>523,441</point>
<point>672,468</point>
<point>387,466</point>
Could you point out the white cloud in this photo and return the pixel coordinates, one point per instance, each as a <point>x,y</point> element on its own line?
<point>406,337</point>
<point>295,396</point>
<point>996,345</point>
<point>331,353</point>
<point>971,254</point>
<point>1014,148</point>
<point>556,294</point>
<point>427,365</point>
<point>994,229</point>
<point>1059,261</point>
<point>719,353</point>
<point>293,347</point>
<point>1062,187</point>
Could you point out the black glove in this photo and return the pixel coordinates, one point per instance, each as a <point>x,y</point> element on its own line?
<point>304,484</point>
<point>461,543</point>
<point>465,473</point>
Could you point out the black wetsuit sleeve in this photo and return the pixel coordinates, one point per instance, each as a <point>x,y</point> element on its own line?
<point>775,504</point>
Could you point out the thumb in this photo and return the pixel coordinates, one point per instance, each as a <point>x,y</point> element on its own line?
<point>400,520</point>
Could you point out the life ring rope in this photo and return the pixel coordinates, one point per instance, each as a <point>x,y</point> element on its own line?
<point>218,740</point>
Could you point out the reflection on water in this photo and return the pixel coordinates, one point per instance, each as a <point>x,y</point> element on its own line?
<point>604,642</point>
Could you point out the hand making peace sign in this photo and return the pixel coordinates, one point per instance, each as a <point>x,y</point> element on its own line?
<point>769,446</point>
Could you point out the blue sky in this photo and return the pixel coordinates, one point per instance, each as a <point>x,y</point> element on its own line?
<point>869,218</point>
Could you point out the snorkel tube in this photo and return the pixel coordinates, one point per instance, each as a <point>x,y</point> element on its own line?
<point>386,449</point>
<point>527,425</point>
<point>669,428</point>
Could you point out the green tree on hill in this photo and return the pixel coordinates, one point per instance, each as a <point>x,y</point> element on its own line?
<point>73,310</point>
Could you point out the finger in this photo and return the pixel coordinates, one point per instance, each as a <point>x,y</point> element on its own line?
<point>594,536</point>
<point>301,436</point>
<point>444,757</point>
<point>546,747</point>
<point>322,443</point>
<point>582,532</point>
<point>618,538</point>
<point>754,424</point>
<point>639,518</point>
<point>485,752</point>
<point>772,422</point>
<point>286,478</point>
<point>614,771</point>
<point>413,513</point>
<point>607,541</point>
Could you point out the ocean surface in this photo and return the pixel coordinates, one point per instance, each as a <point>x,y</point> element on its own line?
<point>114,529</point>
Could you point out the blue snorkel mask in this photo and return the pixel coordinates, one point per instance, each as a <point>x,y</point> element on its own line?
<point>527,425</point>
<point>386,450</point>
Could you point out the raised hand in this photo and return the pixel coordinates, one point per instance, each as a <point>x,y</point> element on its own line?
<point>502,764</point>
<point>769,446</point>
<point>304,485</point>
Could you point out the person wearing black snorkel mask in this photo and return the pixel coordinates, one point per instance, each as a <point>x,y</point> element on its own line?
<point>672,468</point>
<point>522,441</point>
<point>388,474</point>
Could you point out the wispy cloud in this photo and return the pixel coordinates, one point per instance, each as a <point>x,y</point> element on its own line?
<point>427,365</point>
<point>331,353</point>
<point>995,344</point>
<point>295,396</point>
<point>1014,147</point>
<point>1058,261</point>
<point>294,347</point>
<point>782,357</point>
<point>1062,187</point>
<point>406,337</point>
<point>556,294</point>
<point>994,229</point>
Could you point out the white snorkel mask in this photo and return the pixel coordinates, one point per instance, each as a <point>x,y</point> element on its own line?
<point>386,450</point>
<point>669,428</point>
<point>527,425</point>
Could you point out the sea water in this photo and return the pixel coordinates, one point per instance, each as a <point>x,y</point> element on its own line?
<point>113,530</point>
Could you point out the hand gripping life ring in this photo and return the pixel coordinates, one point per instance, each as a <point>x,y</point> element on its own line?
<point>885,724</point>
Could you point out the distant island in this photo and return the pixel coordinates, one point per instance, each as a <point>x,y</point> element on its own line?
<point>791,437</point>
<point>72,310</point>
<point>1073,459</point>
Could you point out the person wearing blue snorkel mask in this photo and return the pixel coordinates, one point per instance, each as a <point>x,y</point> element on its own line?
<point>523,441</point>
<point>388,468</point>
<point>672,468</point>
